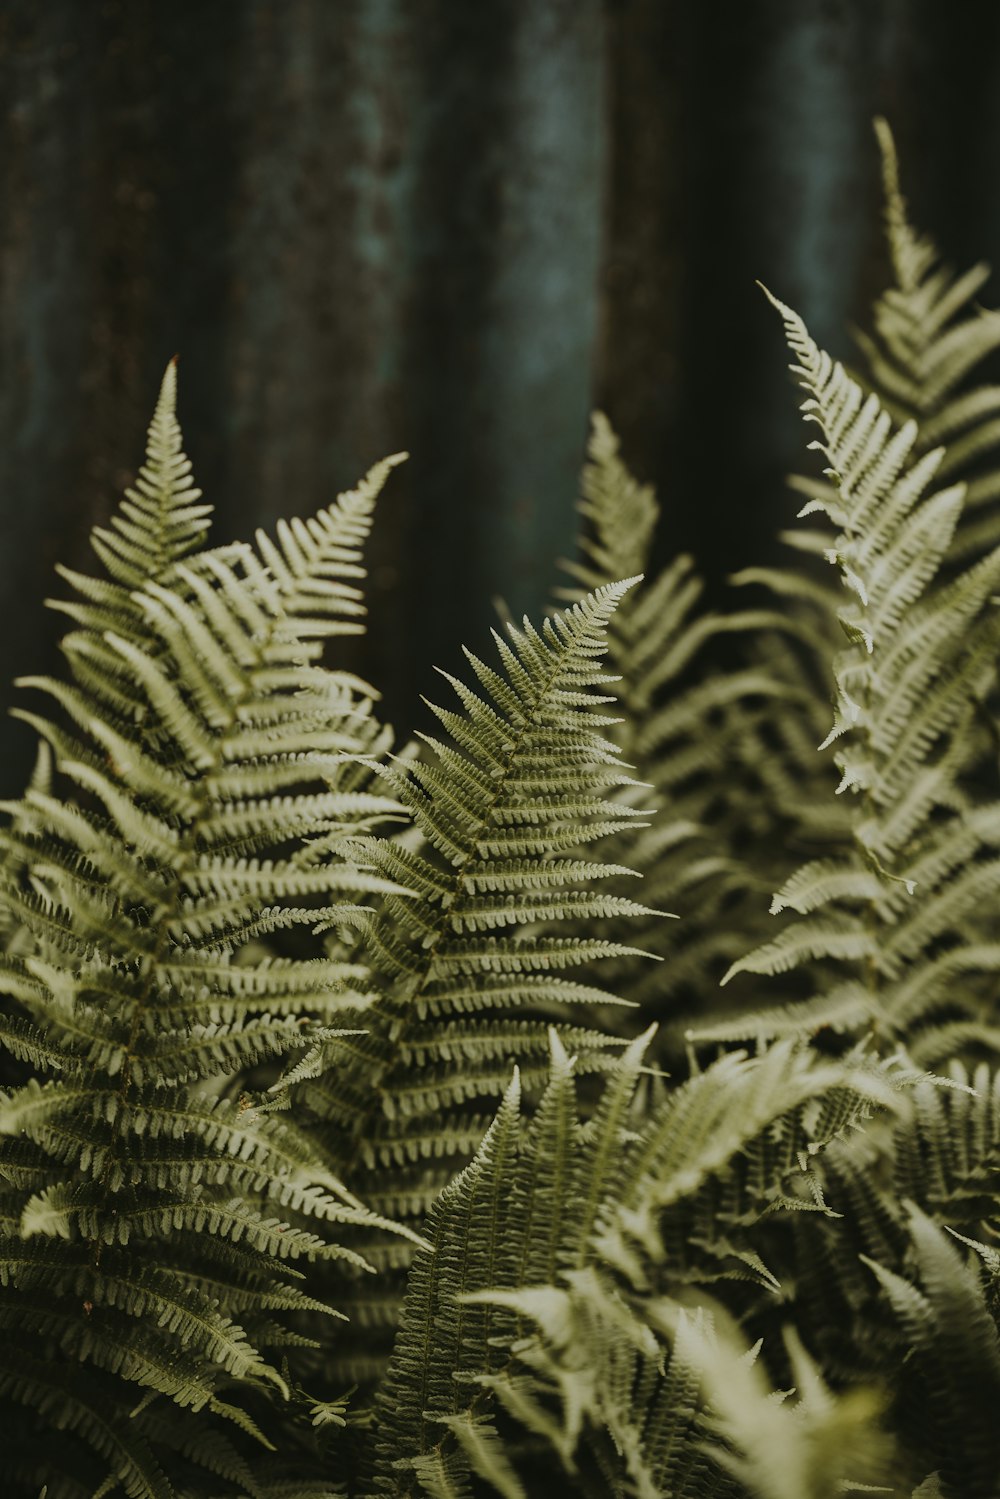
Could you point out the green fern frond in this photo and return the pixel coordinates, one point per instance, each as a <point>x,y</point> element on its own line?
<point>929,334</point>
<point>821,1446</point>
<point>695,743</point>
<point>620,516</point>
<point>503,810</point>
<point>316,564</point>
<point>199,748</point>
<point>880,1294</point>
<point>571,1255</point>
<point>953,1350</point>
<point>464,1234</point>
<point>716,1115</point>
<point>920,879</point>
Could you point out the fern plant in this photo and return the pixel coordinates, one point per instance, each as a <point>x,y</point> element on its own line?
<point>541,1328</point>
<point>907,907</point>
<point>326,1164</point>
<point>728,756</point>
<point>469,964</point>
<point>149,1217</point>
<point>901,1290</point>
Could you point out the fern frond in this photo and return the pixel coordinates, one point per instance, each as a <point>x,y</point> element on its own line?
<point>464,1236</point>
<point>316,564</point>
<point>818,1447</point>
<point>199,746</point>
<point>920,879</point>
<point>540,1236</point>
<point>927,336</point>
<point>526,776</point>
<point>953,1350</point>
<point>716,1115</point>
<point>694,742</point>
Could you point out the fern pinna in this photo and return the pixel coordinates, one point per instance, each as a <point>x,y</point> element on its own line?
<point>152,1221</point>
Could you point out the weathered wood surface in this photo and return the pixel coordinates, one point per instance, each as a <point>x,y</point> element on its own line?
<point>374,224</point>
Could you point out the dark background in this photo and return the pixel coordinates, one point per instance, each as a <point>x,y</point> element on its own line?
<point>452,226</point>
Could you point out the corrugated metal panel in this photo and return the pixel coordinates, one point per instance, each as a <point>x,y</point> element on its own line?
<point>452,227</point>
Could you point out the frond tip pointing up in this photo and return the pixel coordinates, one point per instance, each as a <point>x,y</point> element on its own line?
<point>922,875</point>
<point>159,520</point>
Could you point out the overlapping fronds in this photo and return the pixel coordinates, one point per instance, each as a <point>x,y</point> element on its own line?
<point>900,1289</point>
<point>540,1329</point>
<point>254,1034</point>
<point>953,1359</point>
<point>819,1445</point>
<point>471,965</point>
<point>151,1220</point>
<point>722,755</point>
<point>921,350</point>
<point>885,926</point>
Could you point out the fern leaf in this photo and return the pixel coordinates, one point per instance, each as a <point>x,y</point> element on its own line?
<point>538,1233</point>
<point>471,963</point>
<point>201,745</point>
<point>920,657</point>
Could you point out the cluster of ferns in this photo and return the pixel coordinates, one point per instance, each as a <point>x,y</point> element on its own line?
<point>370,1128</point>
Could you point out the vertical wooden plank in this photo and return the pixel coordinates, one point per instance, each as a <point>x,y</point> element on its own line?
<point>311,335</point>
<point>640,367</point>
<point>311,322</point>
<point>412,223</point>
<point>117,250</point>
<point>46,260</point>
<point>539,340</point>
<point>501,212</point>
<point>758,143</point>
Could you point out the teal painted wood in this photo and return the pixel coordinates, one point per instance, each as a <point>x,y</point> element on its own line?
<point>375,224</point>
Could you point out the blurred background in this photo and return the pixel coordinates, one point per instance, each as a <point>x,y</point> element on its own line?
<point>451,226</point>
